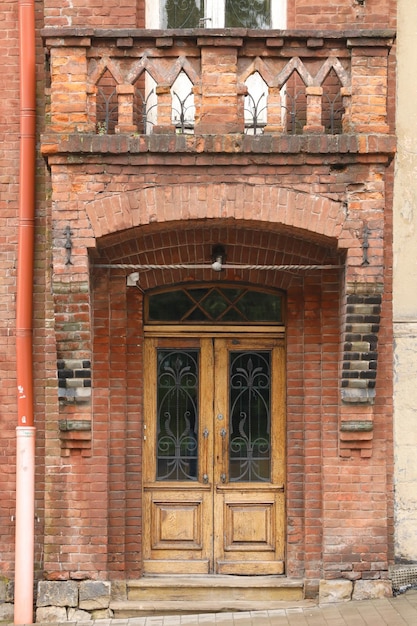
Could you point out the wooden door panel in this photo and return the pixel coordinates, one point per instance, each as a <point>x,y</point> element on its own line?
<point>178,538</point>
<point>178,513</point>
<point>249,526</point>
<point>176,525</point>
<point>253,530</point>
<point>249,497</point>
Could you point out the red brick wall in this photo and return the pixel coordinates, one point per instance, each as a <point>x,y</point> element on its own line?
<point>9,132</point>
<point>9,191</point>
<point>44,350</point>
<point>92,497</point>
<point>103,14</point>
<point>341,14</point>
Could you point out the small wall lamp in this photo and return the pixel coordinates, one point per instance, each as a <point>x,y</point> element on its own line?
<point>218,256</point>
<point>132,279</point>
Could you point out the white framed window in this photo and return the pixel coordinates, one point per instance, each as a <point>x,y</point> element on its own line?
<point>216,13</point>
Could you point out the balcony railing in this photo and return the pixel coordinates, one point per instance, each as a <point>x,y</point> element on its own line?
<point>208,81</point>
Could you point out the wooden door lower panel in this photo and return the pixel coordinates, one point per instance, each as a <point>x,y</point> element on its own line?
<point>250,536</point>
<point>178,536</point>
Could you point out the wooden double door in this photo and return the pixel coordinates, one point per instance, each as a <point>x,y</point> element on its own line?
<point>214,456</point>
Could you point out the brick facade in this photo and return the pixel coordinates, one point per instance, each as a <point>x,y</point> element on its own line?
<point>278,198</point>
<point>8,200</point>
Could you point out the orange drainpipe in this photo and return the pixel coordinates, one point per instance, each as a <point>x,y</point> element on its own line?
<point>25,431</point>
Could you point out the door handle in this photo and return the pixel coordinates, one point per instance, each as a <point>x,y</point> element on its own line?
<point>223,434</point>
<point>205,456</point>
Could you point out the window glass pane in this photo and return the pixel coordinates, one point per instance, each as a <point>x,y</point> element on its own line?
<point>260,307</point>
<point>248,13</point>
<point>170,306</point>
<point>177,411</point>
<point>182,13</point>
<point>250,417</point>
<point>196,315</point>
<point>232,294</point>
<point>198,293</point>
<point>215,305</point>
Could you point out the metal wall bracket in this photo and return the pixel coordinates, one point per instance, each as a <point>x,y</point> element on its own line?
<point>68,244</point>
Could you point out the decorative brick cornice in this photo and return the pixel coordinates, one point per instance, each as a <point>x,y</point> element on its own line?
<point>363,37</point>
<point>87,145</point>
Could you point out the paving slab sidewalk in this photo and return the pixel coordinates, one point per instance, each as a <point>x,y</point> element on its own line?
<point>398,611</point>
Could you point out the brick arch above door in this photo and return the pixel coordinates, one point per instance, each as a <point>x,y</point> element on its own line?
<point>305,212</point>
<point>301,216</point>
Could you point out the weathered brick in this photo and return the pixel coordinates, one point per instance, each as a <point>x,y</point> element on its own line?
<point>254,193</point>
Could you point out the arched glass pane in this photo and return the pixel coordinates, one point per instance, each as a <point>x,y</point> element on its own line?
<point>169,306</point>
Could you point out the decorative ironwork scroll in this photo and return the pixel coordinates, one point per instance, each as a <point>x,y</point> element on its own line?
<point>256,105</point>
<point>183,107</point>
<point>177,415</point>
<point>107,110</point>
<point>250,416</point>
<point>183,13</point>
<point>248,13</point>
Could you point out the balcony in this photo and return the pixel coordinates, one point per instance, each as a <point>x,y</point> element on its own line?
<point>206,82</point>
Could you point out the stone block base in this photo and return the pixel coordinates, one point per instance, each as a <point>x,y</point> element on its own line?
<point>331,591</point>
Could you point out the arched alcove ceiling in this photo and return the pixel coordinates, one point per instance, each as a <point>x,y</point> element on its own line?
<point>192,243</point>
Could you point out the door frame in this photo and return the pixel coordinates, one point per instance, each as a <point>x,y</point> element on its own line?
<point>221,552</point>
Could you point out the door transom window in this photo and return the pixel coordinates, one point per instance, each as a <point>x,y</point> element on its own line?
<point>223,304</point>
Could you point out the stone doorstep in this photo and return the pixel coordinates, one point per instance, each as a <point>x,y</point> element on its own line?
<point>215,589</point>
<point>134,608</point>
<point>202,580</point>
<point>165,595</point>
